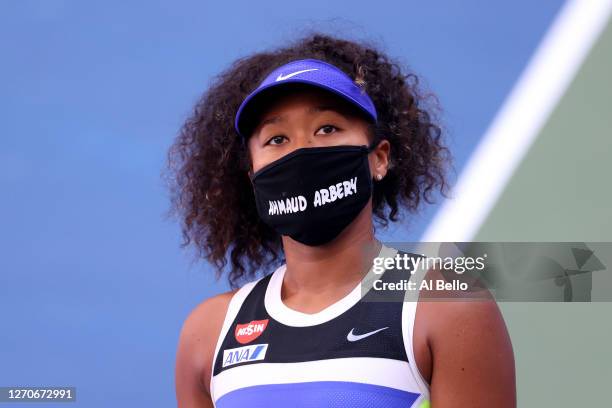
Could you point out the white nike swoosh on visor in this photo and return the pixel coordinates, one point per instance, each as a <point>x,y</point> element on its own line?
<point>355,337</point>
<point>281,77</point>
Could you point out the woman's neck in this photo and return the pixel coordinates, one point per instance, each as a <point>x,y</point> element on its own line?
<point>318,276</point>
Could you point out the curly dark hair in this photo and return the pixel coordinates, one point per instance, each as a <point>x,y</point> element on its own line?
<point>210,189</point>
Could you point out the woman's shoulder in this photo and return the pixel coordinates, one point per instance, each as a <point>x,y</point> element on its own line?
<point>449,299</point>
<point>197,342</point>
<point>466,336</point>
<point>212,305</point>
<point>207,317</point>
<point>201,330</point>
<point>210,313</point>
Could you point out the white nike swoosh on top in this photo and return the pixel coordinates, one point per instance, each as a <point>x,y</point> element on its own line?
<point>281,77</point>
<point>355,337</point>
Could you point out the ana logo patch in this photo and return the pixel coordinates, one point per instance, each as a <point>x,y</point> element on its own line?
<point>246,333</point>
<point>253,352</point>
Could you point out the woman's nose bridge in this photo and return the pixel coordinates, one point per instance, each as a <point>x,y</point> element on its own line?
<point>301,129</point>
<point>303,138</point>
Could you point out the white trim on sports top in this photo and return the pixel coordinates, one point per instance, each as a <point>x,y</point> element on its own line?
<point>367,370</point>
<point>290,317</point>
<point>409,311</point>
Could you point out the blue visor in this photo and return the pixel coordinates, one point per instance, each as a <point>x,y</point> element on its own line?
<point>314,72</point>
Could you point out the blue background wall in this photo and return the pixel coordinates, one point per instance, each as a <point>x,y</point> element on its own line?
<point>93,285</point>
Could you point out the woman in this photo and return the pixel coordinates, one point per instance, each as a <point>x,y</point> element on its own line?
<point>295,152</point>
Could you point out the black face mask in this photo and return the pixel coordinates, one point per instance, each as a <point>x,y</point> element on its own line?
<point>313,193</point>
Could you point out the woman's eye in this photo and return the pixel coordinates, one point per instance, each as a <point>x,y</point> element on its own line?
<point>275,140</point>
<point>327,129</point>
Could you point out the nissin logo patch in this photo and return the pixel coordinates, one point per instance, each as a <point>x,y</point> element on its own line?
<point>246,333</point>
<point>254,352</point>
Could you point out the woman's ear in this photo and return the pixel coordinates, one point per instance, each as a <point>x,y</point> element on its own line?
<point>379,163</point>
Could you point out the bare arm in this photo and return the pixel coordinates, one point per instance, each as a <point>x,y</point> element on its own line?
<point>472,362</point>
<point>196,347</point>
